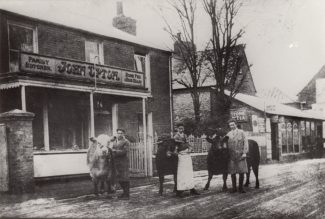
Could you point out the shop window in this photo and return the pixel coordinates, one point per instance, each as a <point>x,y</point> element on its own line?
<point>21,38</point>
<point>68,121</point>
<point>303,136</point>
<point>295,129</point>
<point>284,138</point>
<point>289,137</point>
<point>94,52</point>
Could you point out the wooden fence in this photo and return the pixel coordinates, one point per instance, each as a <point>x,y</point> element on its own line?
<point>137,158</point>
<point>199,144</point>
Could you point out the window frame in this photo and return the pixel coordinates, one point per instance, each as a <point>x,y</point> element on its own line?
<point>146,72</point>
<point>100,51</point>
<point>26,26</point>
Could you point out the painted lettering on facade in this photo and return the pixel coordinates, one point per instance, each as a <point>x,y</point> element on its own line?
<point>74,69</point>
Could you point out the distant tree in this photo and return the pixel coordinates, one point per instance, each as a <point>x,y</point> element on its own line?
<point>188,62</point>
<point>225,55</point>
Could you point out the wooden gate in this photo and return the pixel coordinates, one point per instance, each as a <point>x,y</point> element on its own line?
<point>4,170</point>
<point>137,158</point>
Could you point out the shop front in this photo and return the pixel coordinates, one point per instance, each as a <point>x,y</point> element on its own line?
<point>71,105</point>
<point>282,132</point>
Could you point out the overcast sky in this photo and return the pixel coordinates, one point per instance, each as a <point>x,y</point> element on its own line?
<point>285,39</point>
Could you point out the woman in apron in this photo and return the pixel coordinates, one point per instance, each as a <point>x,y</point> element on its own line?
<point>185,178</point>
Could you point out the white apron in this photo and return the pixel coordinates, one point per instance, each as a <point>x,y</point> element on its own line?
<point>185,179</point>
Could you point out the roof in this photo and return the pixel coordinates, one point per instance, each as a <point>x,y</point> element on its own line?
<point>275,94</point>
<point>207,78</point>
<point>80,22</point>
<point>273,107</point>
<point>320,74</point>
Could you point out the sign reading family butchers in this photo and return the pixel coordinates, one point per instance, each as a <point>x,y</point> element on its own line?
<point>74,69</point>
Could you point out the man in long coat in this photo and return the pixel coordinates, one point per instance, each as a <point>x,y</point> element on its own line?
<point>121,160</point>
<point>238,147</point>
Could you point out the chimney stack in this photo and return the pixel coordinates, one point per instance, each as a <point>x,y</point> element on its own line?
<point>124,23</point>
<point>119,8</point>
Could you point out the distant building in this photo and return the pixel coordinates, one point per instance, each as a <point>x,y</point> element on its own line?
<point>313,94</point>
<point>182,101</point>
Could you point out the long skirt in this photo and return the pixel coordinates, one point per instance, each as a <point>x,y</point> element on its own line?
<point>185,178</point>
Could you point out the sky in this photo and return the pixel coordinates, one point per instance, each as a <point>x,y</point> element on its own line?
<point>285,39</point>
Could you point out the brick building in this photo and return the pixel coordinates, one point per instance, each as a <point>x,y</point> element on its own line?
<point>81,83</point>
<point>313,95</point>
<point>183,104</point>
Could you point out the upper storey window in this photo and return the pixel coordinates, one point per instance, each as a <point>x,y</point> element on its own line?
<point>94,52</point>
<point>21,38</point>
<point>140,63</point>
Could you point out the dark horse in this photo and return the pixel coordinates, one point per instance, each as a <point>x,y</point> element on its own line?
<point>166,160</point>
<point>100,161</point>
<point>218,156</point>
<point>253,161</point>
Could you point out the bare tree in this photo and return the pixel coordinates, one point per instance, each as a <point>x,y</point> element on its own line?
<point>188,62</point>
<point>224,54</point>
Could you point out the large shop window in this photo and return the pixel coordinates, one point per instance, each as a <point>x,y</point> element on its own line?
<point>94,52</point>
<point>290,137</point>
<point>21,38</point>
<point>68,121</point>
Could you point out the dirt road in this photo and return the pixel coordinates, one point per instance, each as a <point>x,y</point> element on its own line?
<point>295,190</point>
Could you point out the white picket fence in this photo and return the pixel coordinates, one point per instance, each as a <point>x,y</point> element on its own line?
<point>199,144</point>
<point>137,153</point>
<point>137,158</point>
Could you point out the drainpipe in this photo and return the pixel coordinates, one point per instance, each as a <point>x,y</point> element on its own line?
<point>171,97</point>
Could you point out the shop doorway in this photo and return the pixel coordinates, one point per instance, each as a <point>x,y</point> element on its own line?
<point>274,137</point>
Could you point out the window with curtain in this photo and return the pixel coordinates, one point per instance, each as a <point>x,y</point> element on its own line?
<point>140,63</point>
<point>21,38</point>
<point>94,52</point>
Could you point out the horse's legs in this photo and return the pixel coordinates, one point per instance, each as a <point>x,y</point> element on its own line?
<point>248,175</point>
<point>209,179</point>
<point>255,170</point>
<point>161,182</point>
<point>224,177</point>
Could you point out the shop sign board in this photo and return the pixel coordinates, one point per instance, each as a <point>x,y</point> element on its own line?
<point>254,123</point>
<point>239,115</point>
<point>275,119</point>
<point>268,125</point>
<point>261,124</point>
<point>80,70</point>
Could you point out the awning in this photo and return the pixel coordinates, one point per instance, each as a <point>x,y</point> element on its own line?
<point>276,108</point>
<point>70,87</point>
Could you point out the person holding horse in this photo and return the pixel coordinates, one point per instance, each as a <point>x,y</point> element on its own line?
<point>121,160</point>
<point>238,147</point>
<point>185,177</point>
<point>218,157</point>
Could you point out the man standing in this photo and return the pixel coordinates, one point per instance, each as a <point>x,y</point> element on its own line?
<point>238,147</point>
<point>120,148</point>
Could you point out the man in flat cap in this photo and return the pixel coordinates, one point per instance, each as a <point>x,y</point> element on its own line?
<point>120,148</point>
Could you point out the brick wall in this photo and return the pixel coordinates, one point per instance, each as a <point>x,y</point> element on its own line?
<point>4,66</point>
<point>20,150</point>
<point>183,105</point>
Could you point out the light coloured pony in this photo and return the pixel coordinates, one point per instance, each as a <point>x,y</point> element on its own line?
<point>101,163</point>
